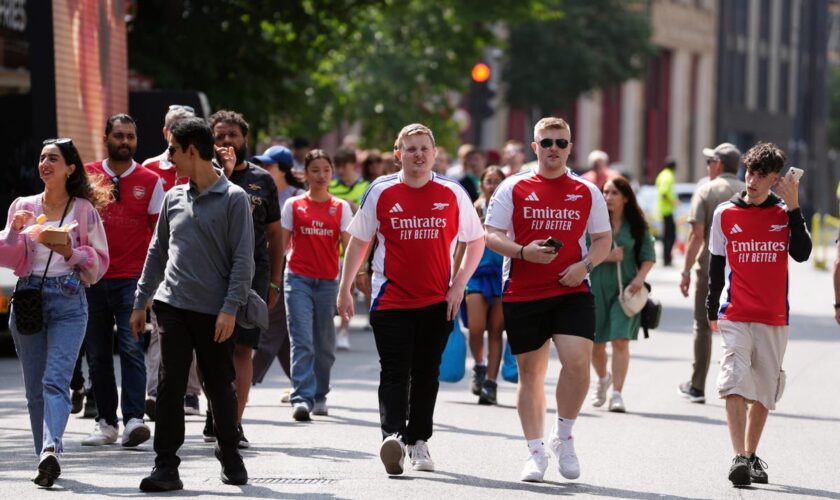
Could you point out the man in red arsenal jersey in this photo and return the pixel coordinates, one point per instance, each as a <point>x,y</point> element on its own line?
<point>417,217</point>
<point>129,222</point>
<point>166,171</point>
<point>539,219</point>
<point>750,240</point>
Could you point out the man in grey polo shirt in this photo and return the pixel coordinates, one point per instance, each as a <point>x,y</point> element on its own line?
<point>722,163</point>
<point>202,258</point>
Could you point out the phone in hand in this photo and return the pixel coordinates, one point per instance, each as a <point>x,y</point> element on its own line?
<point>551,242</point>
<point>795,173</point>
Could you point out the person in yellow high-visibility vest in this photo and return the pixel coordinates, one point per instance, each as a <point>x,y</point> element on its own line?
<point>667,201</point>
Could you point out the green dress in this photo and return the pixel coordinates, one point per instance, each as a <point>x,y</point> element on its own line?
<point>610,321</point>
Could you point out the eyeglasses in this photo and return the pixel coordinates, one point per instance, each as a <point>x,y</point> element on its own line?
<point>59,141</point>
<point>115,191</point>
<point>182,106</point>
<point>561,143</point>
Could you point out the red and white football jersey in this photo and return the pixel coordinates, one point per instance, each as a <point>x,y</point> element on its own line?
<point>130,221</point>
<point>316,233</point>
<point>531,207</point>
<point>417,230</point>
<point>755,242</point>
<point>161,165</point>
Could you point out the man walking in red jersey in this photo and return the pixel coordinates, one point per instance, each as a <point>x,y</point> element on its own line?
<point>750,240</point>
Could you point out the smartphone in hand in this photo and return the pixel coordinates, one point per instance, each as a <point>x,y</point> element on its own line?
<point>551,242</point>
<point>795,173</point>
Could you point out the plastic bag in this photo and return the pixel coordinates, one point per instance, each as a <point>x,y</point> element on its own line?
<point>454,355</point>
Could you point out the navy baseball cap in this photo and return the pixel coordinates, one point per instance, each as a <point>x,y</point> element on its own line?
<point>276,154</point>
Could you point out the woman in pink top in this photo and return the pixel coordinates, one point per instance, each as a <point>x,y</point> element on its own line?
<point>48,356</point>
<point>315,223</point>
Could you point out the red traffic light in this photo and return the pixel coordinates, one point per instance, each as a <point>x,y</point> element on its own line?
<point>480,73</point>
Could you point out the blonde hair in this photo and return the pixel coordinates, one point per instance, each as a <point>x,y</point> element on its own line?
<point>413,129</point>
<point>551,122</point>
<point>598,155</point>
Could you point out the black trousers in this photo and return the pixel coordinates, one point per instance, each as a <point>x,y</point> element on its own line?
<point>669,236</point>
<point>181,332</point>
<point>410,343</point>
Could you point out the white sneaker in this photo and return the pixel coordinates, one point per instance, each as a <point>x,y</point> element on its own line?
<point>286,395</point>
<point>342,340</point>
<point>617,404</point>
<point>102,434</point>
<point>392,454</point>
<point>567,460</point>
<point>599,394</point>
<point>420,457</point>
<point>135,433</point>
<point>534,469</point>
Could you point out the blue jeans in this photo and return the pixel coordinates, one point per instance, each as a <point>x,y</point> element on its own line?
<point>49,357</point>
<point>310,307</point>
<point>112,300</point>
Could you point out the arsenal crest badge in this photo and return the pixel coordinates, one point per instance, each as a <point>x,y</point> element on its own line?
<point>139,192</point>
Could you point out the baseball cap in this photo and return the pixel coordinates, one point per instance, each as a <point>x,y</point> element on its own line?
<point>727,152</point>
<point>276,154</point>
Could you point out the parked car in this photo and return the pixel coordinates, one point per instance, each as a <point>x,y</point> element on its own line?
<point>647,198</point>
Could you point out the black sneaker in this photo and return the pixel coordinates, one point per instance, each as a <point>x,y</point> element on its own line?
<point>739,471</point>
<point>243,441</point>
<point>48,470</point>
<point>162,479</point>
<point>757,472</point>
<point>687,391</point>
<point>150,407</point>
<point>77,401</point>
<point>191,405</point>
<point>488,393</point>
<point>90,405</point>
<point>233,468</point>
<point>209,432</point>
<point>479,376</point>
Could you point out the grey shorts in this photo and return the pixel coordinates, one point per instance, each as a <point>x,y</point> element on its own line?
<point>751,366</point>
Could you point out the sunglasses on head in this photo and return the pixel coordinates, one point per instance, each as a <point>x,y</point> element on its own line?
<point>59,141</point>
<point>182,106</point>
<point>561,143</point>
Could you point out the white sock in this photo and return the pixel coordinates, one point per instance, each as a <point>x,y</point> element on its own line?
<point>604,379</point>
<point>536,446</point>
<point>616,393</point>
<point>564,427</point>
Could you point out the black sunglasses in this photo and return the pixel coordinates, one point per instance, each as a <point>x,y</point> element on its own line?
<point>561,143</point>
<point>115,191</point>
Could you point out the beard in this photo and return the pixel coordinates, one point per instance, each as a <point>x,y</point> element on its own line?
<point>117,153</point>
<point>241,154</point>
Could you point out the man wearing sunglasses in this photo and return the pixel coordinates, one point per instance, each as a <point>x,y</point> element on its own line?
<point>546,294</point>
<point>129,222</point>
<point>166,170</point>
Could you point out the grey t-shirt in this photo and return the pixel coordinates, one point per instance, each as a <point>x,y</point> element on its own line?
<point>201,258</point>
<point>703,204</point>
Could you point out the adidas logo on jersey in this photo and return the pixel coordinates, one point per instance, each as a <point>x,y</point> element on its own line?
<point>776,228</point>
<point>573,197</point>
<point>396,209</point>
<point>532,197</point>
<point>736,229</point>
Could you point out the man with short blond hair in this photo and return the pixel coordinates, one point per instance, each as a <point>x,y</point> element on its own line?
<point>417,217</point>
<point>546,293</point>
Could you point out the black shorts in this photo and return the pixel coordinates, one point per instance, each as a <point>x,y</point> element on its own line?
<point>530,324</point>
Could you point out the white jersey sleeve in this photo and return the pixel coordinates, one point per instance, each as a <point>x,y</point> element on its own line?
<point>717,240</point>
<point>599,216</point>
<point>500,209</point>
<point>346,216</point>
<point>287,216</point>
<point>469,225</point>
<point>156,202</point>
<point>364,223</point>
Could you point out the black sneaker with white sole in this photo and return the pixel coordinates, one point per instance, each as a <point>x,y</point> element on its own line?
<point>739,471</point>
<point>479,376</point>
<point>758,474</point>
<point>687,391</point>
<point>48,470</point>
<point>209,432</point>
<point>243,441</point>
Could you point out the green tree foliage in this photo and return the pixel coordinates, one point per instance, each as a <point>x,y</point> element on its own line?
<point>597,43</point>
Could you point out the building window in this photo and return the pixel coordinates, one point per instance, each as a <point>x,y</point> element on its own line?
<point>784,87</point>
<point>764,13</point>
<point>763,83</point>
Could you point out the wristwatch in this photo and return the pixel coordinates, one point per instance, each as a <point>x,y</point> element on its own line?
<point>685,274</point>
<point>588,264</point>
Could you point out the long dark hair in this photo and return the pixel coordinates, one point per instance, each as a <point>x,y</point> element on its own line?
<point>80,184</point>
<point>289,176</point>
<point>632,211</point>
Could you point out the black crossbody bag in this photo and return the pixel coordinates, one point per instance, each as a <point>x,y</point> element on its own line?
<point>652,311</point>
<point>28,303</point>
